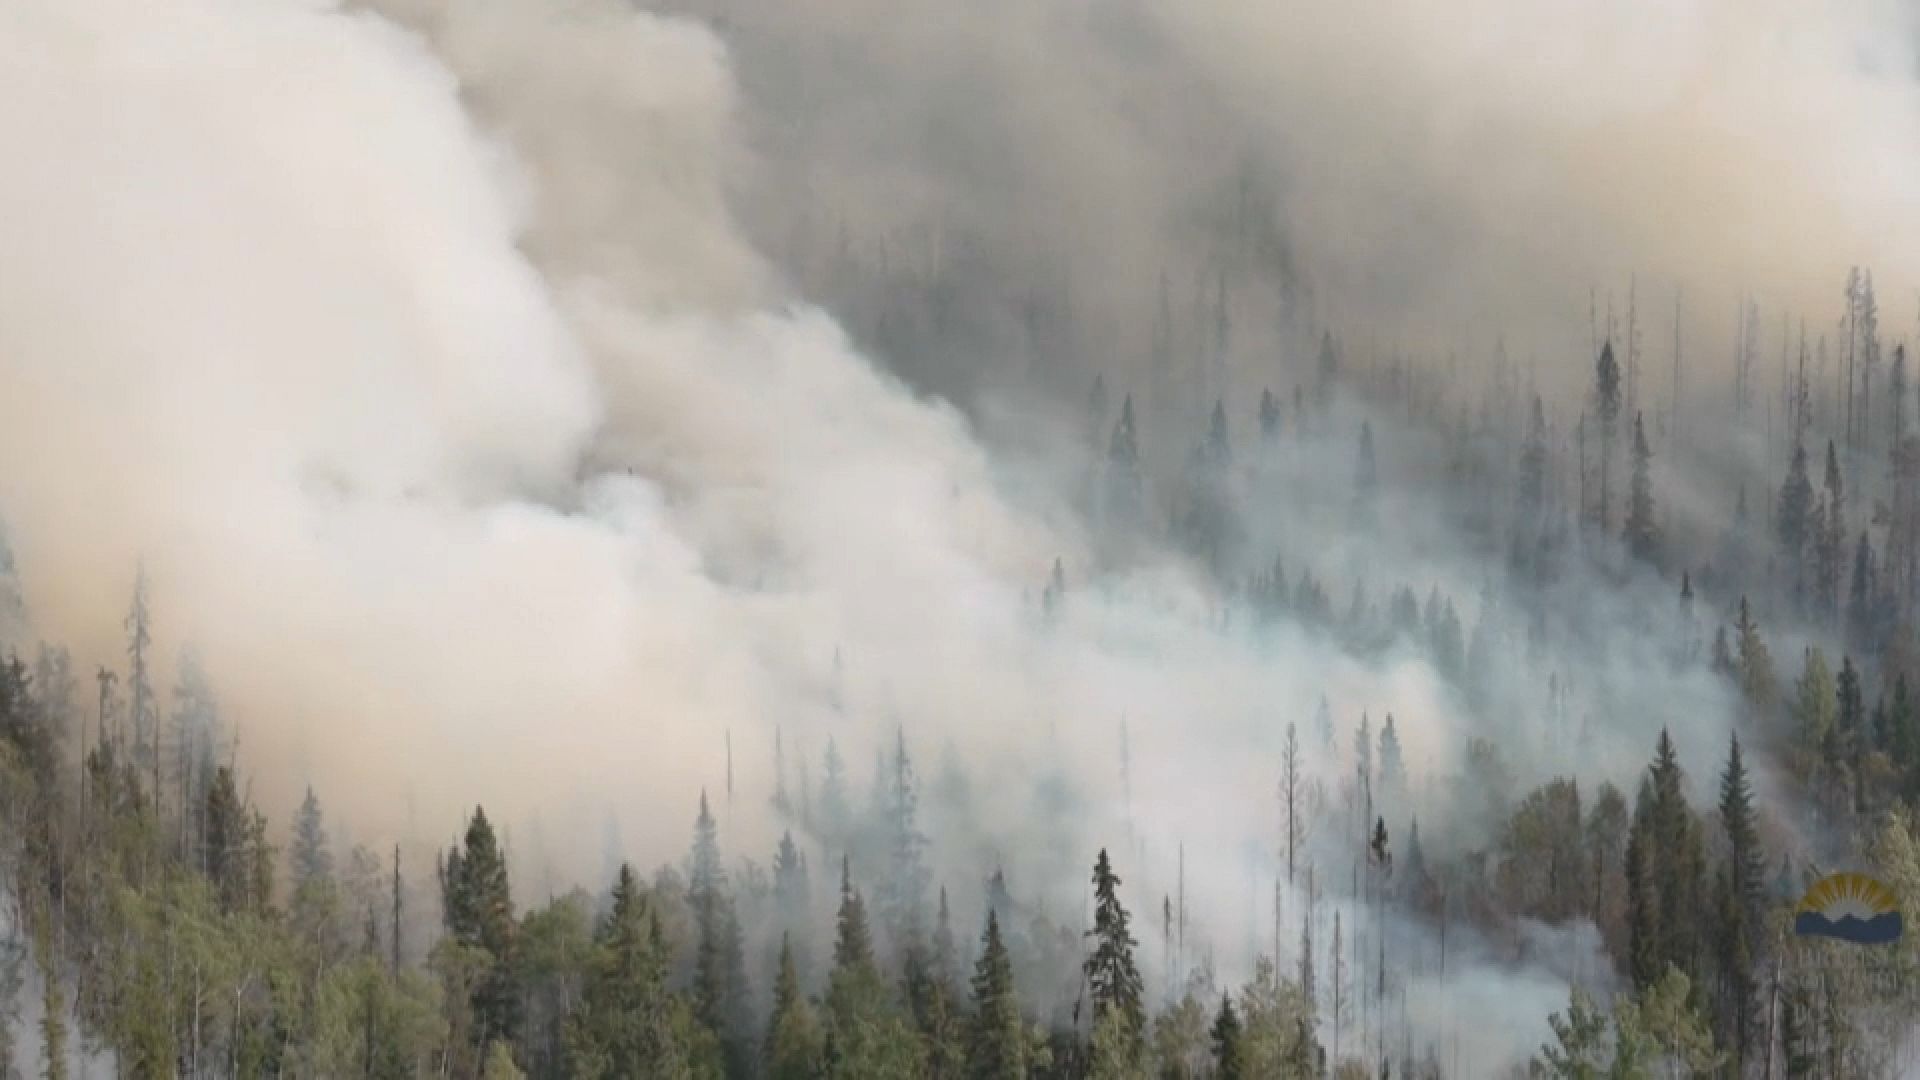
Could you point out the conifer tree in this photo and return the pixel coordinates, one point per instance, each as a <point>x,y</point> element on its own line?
<point>1606,401</point>
<point>479,913</point>
<point>1366,481</point>
<point>1863,600</point>
<point>836,809</point>
<point>1814,704</point>
<point>1226,1042</point>
<point>1755,663</point>
<point>1639,528</point>
<point>1393,766</point>
<point>1269,416</point>
<point>1829,530</point>
<point>903,888</point>
<point>1795,520</point>
<point>1848,742</point>
<point>793,1049</point>
<point>626,1024</point>
<point>1112,980</point>
<point>1741,905</point>
<point>719,974</point>
<point>996,1036</point>
<point>309,858</point>
<point>865,1038</point>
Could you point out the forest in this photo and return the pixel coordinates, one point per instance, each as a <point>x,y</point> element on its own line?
<point>1084,541</point>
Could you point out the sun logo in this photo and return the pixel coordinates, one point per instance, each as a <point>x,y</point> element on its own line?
<point>1849,907</point>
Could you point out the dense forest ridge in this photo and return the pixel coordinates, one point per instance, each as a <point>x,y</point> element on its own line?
<point>164,931</point>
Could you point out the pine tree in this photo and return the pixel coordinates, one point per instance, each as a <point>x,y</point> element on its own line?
<point>1226,1042</point>
<point>1393,766</point>
<point>1292,798</point>
<point>1814,703</point>
<point>1366,482</point>
<point>903,889</point>
<point>1847,744</point>
<point>720,992</point>
<point>1903,740</point>
<point>1639,529</point>
<point>479,914</point>
<point>1606,400</point>
<point>1795,521</point>
<point>864,1036</point>
<point>793,1049</point>
<point>627,1025</point>
<point>309,858</point>
<point>836,810</point>
<point>1112,980</point>
<point>1755,663</point>
<point>1863,634</point>
<point>996,1036</point>
<point>1665,865</point>
<point>227,841</point>
<point>1829,538</point>
<point>1742,901</point>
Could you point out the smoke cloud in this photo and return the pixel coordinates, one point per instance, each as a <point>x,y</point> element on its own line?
<point>460,377</point>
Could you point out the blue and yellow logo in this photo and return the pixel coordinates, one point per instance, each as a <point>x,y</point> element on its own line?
<point>1849,907</point>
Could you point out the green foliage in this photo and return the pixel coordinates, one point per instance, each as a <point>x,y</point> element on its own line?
<point>795,1042</point>
<point>1113,982</point>
<point>996,1036</point>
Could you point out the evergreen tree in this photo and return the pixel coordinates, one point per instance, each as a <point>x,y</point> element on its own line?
<point>794,1045</point>
<point>1112,980</point>
<point>626,1024</point>
<point>1795,522</point>
<point>1848,741</point>
<point>1829,539</point>
<point>996,1037</point>
<point>1665,865</point>
<point>1639,529</point>
<point>1606,400</point>
<point>1742,900</point>
<point>1755,663</point>
<point>865,1038</point>
<point>903,888</point>
<point>719,973</point>
<point>1863,600</point>
<point>1366,482</point>
<point>1393,767</point>
<point>1814,703</point>
<point>836,810</point>
<point>479,915</point>
<point>309,858</point>
<point>1226,1042</point>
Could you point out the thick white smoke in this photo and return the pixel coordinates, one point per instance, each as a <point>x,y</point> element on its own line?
<point>417,355</point>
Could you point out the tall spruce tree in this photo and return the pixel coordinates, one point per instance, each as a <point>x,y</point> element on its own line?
<point>625,1025</point>
<point>1606,404</point>
<point>1741,905</point>
<point>794,1044</point>
<point>1639,529</point>
<point>720,994</point>
<point>479,913</point>
<point>996,1036</point>
<point>1225,1035</point>
<point>1794,524</point>
<point>1112,979</point>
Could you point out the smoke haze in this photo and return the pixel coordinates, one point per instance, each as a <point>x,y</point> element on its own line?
<point>498,400</point>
